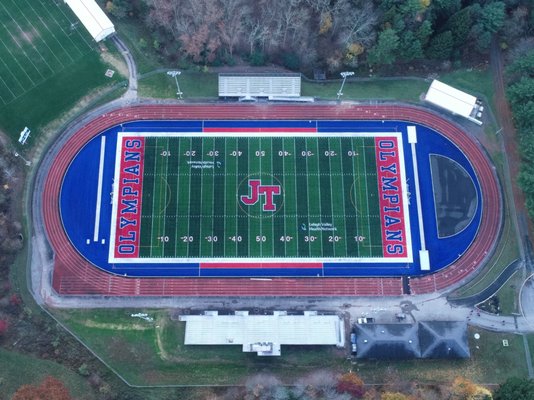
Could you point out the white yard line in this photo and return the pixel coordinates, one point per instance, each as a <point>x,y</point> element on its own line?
<point>68,19</point>
<point>47,28</point>
<point>19,64</point>
<point>99,187</point>
<point>41,39</point>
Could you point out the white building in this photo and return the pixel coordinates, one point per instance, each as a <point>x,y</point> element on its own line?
<point>92,17</point>
<point>264,334</point>
<point>455,101</point>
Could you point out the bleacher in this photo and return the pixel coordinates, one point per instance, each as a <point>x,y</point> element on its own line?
<point>253,86</point>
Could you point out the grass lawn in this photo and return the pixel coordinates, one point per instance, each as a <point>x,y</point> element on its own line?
<point>380,89</point>
<point>153,353</point>
<point>473,81</point>
<point>192,84</point>
<point>17,369</point>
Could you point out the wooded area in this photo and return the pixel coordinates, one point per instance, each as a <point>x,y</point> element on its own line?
<point>328,34</point>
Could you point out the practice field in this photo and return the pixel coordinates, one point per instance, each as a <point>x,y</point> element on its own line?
<point>39,39</point>
<point>271,198</point>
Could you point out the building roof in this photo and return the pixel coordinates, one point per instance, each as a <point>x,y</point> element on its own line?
<point>443,339</point>
<point>425,339</point>
<point>387,341</point>
<point>260,333</point>
<point>92,17</point>
<point>451,99</point>
<point>259,85</point>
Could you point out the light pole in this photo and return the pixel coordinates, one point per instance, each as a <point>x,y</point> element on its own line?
<point>344,75</point>
<point>175,74</point>
<point>28,163</point>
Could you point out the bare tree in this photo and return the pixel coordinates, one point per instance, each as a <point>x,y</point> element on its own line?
<point>232,26</point>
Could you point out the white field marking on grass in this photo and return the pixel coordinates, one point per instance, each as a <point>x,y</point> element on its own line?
<point>43,22</point>
<point>341,164</point>
<point>308,197</point>
<point>296,192</point>
<point>283,199</point>
<point>20,66</point>
<point>153,198</point>
<point>237,196</point>
<point>225,189</point>
<point>367,197</point>
<point>238,199</point>
<point>26,54</point>
<point>356,205</point>
<point>68,19</point>
<point>99,188</point>
<point>200,200</point>
<point>15,78</point>
<point>178,199</point>
<point>332,193</point>
<point>164,211</point>
<point>318,158</point>
<point>53,18</point>
<point>7,87</point>
<point>40,37</point>
<point>30,42</point>
<point>189,202</point>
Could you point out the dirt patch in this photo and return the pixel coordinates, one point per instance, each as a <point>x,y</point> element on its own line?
<point>117,63</point>
<point>116,327</point>
<point>28,36</point>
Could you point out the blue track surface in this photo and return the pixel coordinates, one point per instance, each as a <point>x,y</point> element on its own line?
<point>79,189</point>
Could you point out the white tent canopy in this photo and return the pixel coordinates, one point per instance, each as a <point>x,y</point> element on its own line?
<point>92,17</point>
<point>452,99</point>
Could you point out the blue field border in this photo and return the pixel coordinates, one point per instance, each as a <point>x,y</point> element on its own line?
<point>79,187</point>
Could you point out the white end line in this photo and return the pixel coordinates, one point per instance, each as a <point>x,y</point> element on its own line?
<point>99,190</point>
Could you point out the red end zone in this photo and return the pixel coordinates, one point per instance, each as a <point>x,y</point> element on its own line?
<point>390,196</point>
<point>127,201</point>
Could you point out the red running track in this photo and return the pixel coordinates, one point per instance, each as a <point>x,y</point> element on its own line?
<point>73,275</point>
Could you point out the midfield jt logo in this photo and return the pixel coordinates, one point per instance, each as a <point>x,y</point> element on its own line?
<point>257,190</point>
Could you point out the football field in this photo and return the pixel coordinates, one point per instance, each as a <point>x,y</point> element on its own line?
<point>181,197</point>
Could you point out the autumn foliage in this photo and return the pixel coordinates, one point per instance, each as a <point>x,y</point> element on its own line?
<point>352,384</point>
<point>49,389</point>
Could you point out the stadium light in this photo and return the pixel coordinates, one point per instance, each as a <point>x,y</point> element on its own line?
<point>28,163</point>
<point>175,74</point>
<point>344,75</point>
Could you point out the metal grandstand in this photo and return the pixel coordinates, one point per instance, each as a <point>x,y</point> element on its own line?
<point>92,17</point>
<point>281,87</point>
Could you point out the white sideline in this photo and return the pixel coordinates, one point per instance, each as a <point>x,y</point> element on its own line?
<point>423,253</point>
<point>99,190</point>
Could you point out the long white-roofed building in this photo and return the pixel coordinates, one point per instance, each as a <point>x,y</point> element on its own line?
<point>92,17</point>
<point>455,101</point>
<point>264,334</point>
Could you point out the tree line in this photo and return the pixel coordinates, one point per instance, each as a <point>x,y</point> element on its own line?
<point>327,34</point>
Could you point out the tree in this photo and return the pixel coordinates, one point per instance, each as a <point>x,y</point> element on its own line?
<point>49,389</point>
<point>464,389</point>
<point>460,25</point>
<point>3,327</point>
<point>352,384</point>
<point>440,47</point>
<point>394,396</point>
<point>515,389</point>
<point>384,52</point>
